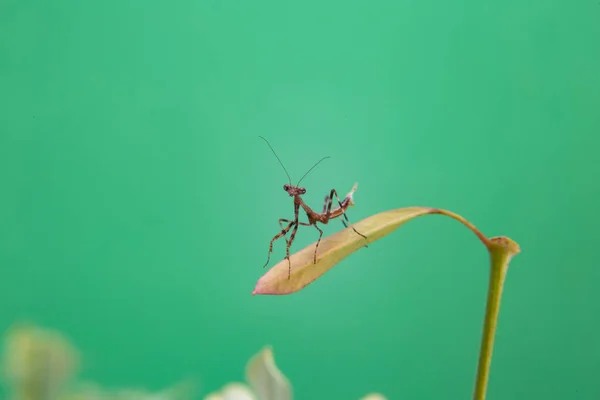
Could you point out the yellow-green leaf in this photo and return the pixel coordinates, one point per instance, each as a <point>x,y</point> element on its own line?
<point>336,247</point>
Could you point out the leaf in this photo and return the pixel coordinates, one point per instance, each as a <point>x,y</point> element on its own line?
<point>336,247</point>
<point>267,381</point>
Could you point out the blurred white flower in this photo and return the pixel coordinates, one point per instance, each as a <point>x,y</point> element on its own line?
<point>374,396</point>
<point>232,391</point>
<point>265,382</point>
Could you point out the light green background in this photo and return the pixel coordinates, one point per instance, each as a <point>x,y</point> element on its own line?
<point>137,202</point>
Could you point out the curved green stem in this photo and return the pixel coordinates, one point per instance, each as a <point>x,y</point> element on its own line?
<point>501,251</point>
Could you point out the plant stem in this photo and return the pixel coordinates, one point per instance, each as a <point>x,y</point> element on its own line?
<point>500,255</point>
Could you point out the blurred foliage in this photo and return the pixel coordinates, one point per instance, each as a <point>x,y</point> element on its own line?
<point>41,364</point>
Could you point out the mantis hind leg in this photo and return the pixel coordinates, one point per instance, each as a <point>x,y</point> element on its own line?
<point>345,221</point>
<point>326,204</point>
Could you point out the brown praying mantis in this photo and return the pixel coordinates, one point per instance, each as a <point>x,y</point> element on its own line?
<point>313,217</point>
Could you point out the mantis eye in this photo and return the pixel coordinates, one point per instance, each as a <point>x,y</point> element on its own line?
<point>286,187</point>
